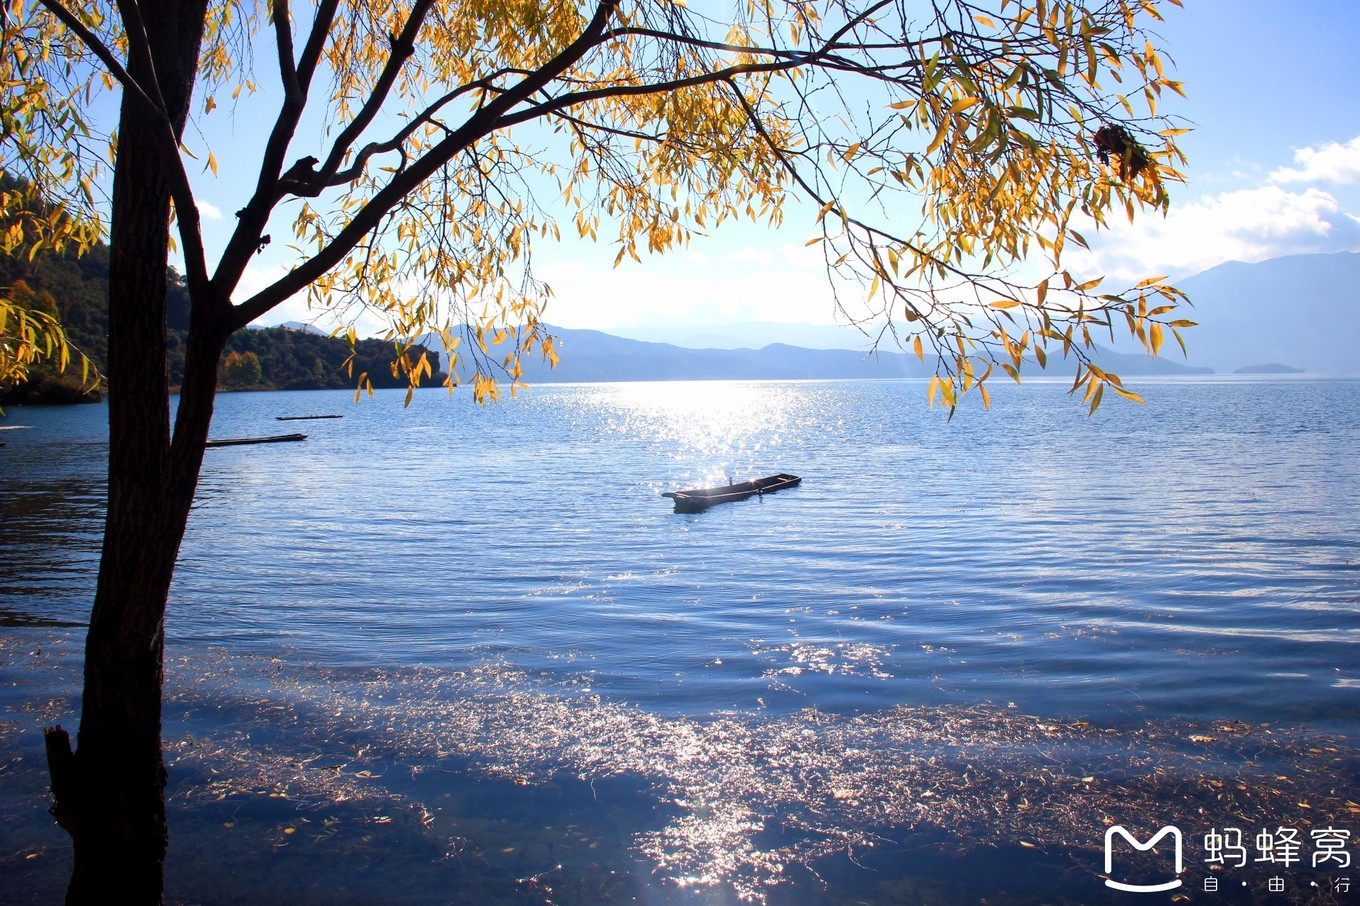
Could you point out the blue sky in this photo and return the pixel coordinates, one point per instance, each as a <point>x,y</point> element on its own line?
<point>1274,170</point>
<point>1275,151</point>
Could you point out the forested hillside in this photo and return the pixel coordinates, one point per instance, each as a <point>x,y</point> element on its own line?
<point>76,290</point>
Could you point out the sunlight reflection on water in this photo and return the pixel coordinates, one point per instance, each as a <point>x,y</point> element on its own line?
<point>728,426</point>
<point>743,798</point>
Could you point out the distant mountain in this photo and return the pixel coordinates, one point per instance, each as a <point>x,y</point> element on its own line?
<point>591,355</point>
<point>294,325</point>
<point>1283,315</point>
<point>1269,368</point>
<point>1299,311</point>
<point>1135,364</point>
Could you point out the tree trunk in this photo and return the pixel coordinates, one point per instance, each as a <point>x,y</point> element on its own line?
<point>109,793</point>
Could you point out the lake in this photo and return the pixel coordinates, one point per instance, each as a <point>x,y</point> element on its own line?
<point>453,653</point>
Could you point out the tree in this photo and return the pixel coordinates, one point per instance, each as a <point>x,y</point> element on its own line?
<point>27,336</point>
<point>30,329</point>
<point>241,371</point>
<point>944,141</point>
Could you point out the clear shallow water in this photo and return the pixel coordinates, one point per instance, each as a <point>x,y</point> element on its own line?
<point>1197,559</point>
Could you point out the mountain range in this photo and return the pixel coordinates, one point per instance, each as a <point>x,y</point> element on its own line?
<point>1296,313</point>
<point>1301,311</point>
<point>592,355</point>
<point>1289,314</point>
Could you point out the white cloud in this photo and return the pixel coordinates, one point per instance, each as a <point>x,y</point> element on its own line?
<point>209,211</point>
<point>261,275</point>
<point>1245,225</point>
<point>784,284</point>
<point>1332,163</point>
<point>751,255</point>
<point>256,277</point>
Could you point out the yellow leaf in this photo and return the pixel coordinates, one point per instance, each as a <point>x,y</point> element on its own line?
<point>1127,394</point>
<point>1001,101</point>
<point>939,138</point>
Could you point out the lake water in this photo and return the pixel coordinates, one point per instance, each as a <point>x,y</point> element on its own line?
<point>1006,630</point>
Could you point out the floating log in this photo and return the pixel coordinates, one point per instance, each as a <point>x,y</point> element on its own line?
<point>699,499</point>
<point>303,418</point>
<point>237,441</point>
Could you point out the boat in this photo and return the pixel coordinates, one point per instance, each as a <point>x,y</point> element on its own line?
<point>303,418</point>
<point>273,439</point>
<point>693,501</point>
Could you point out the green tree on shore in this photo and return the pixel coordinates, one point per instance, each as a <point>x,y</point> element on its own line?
<point>73,289</point>
<point>32,335</point>
<point>458,135</point>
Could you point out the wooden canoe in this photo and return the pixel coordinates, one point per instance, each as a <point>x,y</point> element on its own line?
<point>237,441</point>
<point>702,498</point>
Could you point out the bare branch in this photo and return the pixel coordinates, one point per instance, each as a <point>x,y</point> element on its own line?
<point>100,50</point>
<point>316,42</point>
<point>283,32</point>
<point>486,120</point>
<point>403,46</point>
<point>167,148</point>
<point>255,215</point>
<point>426,117</point>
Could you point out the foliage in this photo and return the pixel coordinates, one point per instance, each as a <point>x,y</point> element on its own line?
<point>944,143</point>
<point>72,290</point>
<point>33,342</point>
<point>287,359</point>
<point>240,371</point>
